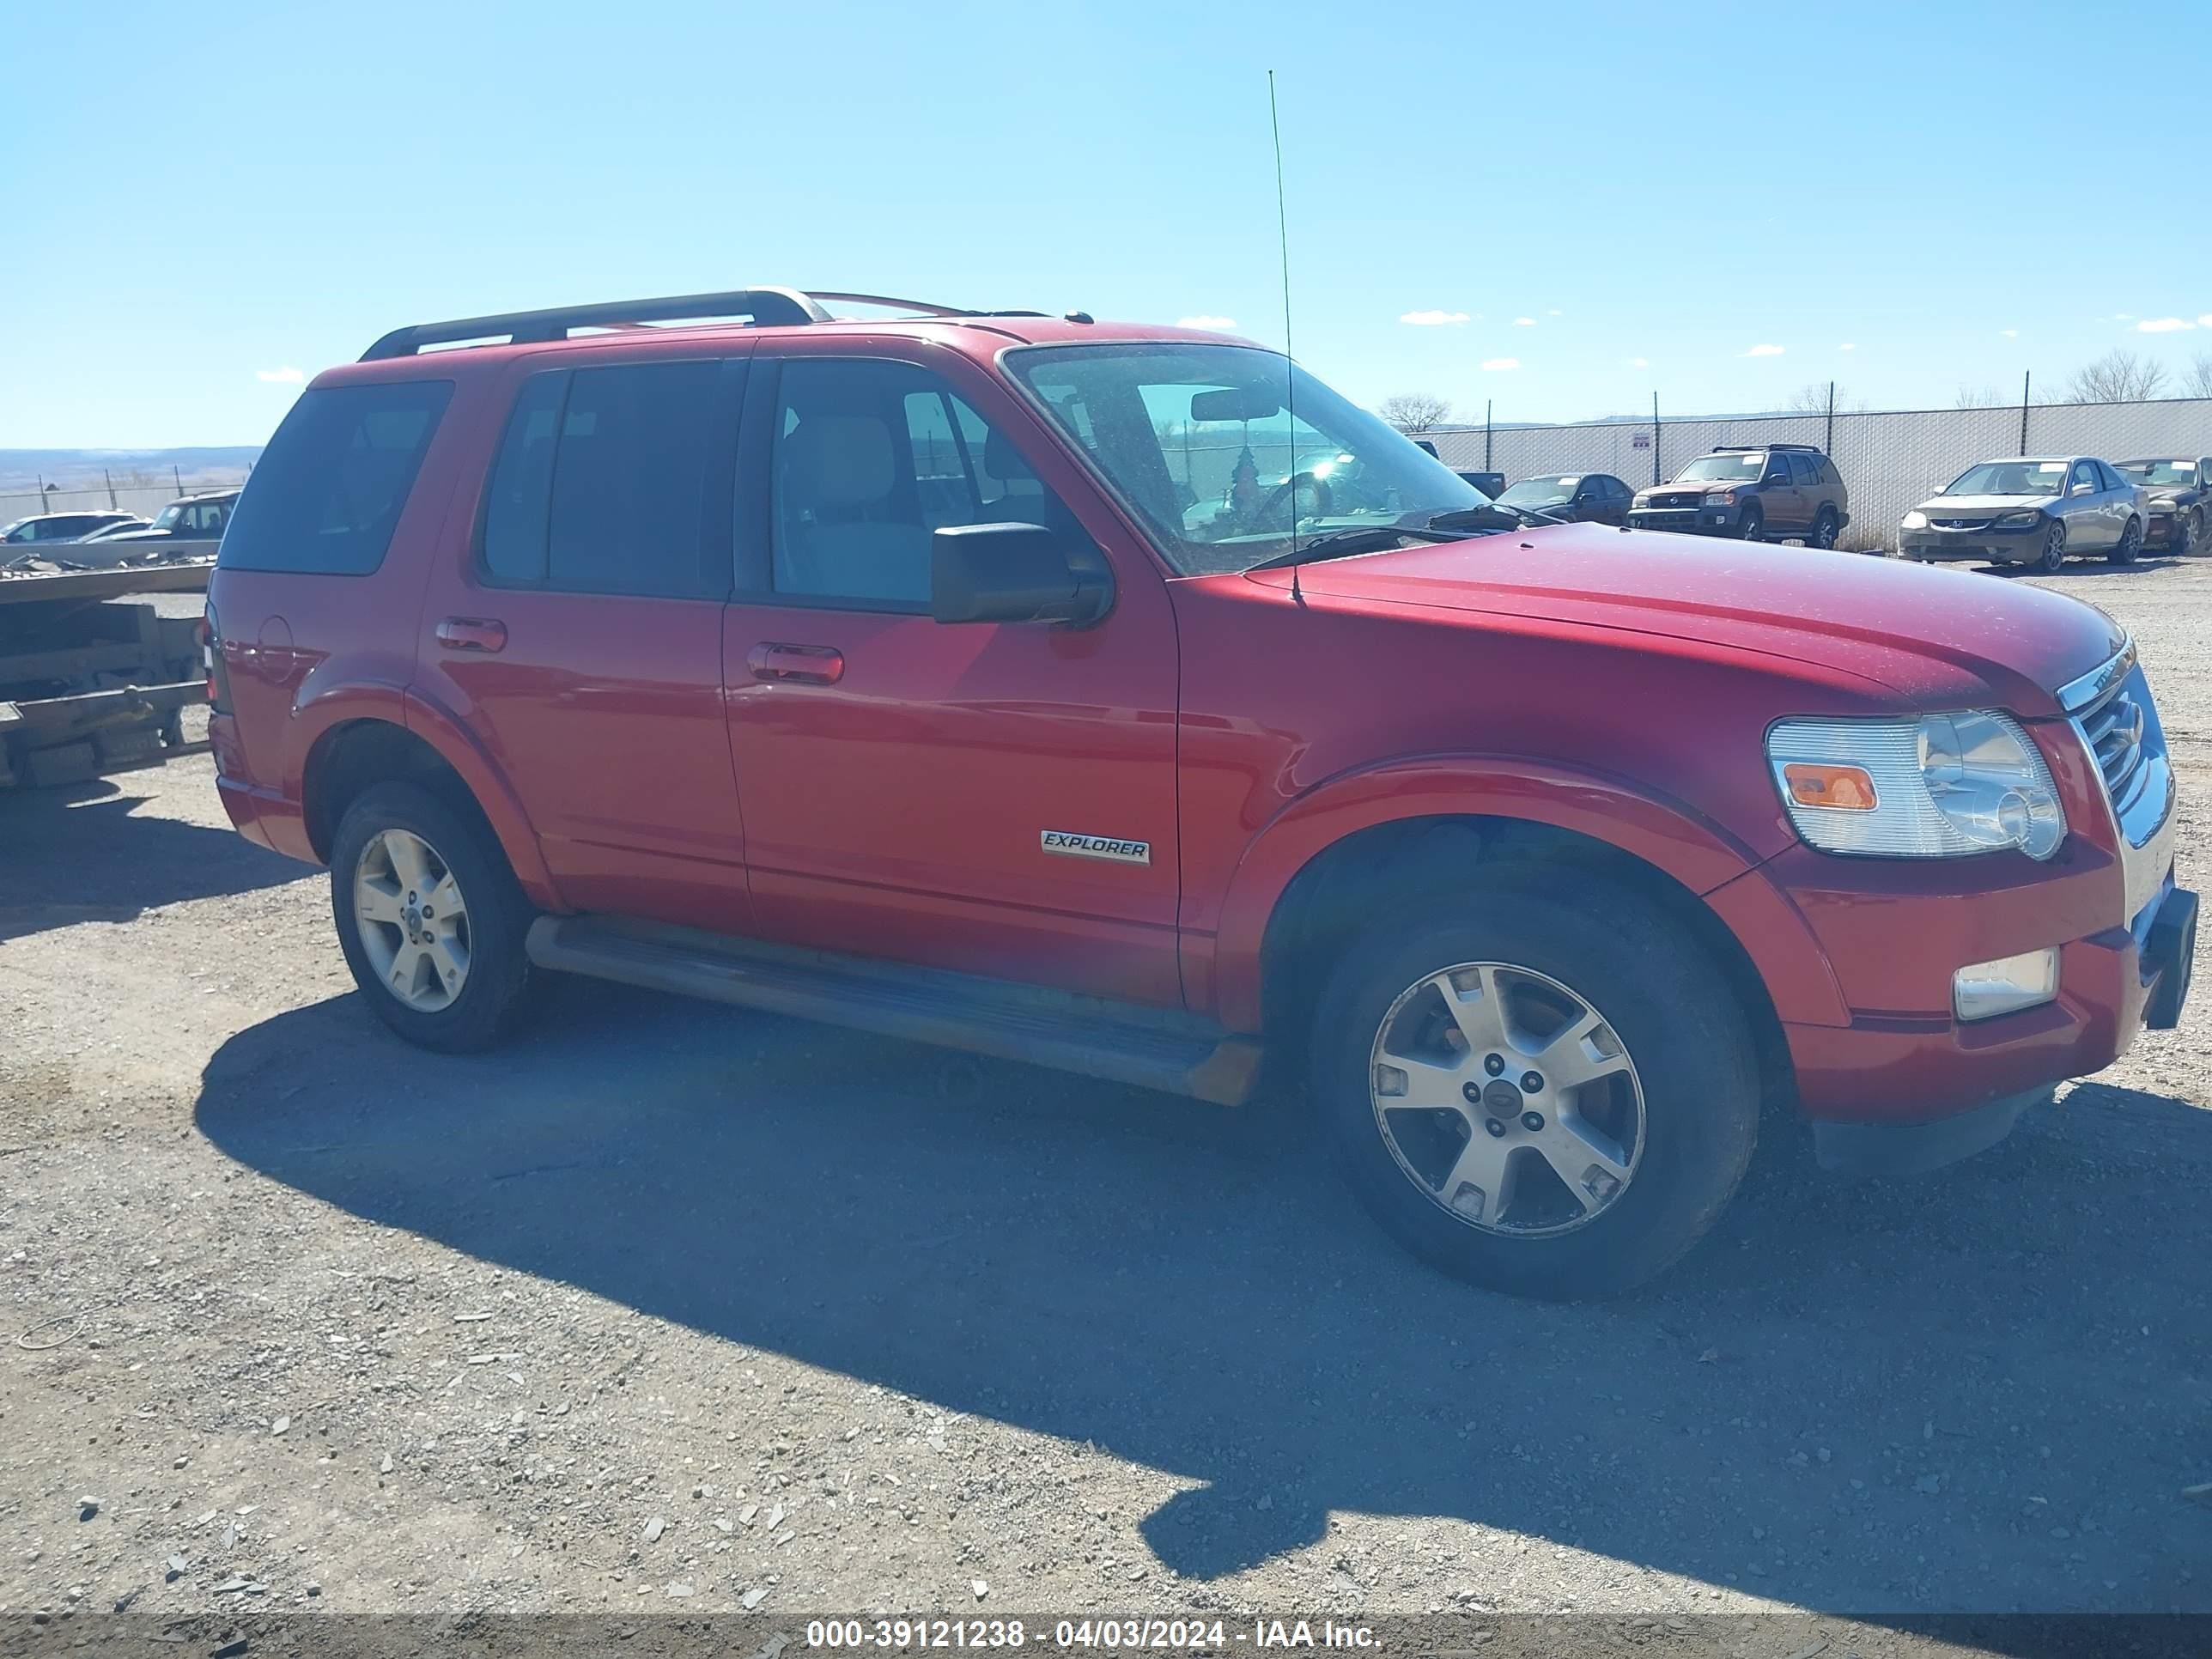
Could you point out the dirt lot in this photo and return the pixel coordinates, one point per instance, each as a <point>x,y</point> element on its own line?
<point>674,1307</point>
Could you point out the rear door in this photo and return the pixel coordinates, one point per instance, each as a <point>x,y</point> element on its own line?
<point>2088,508</point>
<point>924,791</point>
<point>575,624</point>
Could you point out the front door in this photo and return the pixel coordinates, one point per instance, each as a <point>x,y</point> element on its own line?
<point>994,798</point>
<point>575,624</point>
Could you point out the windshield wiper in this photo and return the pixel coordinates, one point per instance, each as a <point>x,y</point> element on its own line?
<point>1339,544</point>
<point>1470,518</point>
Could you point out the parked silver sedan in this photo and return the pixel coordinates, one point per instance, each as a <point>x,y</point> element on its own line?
<point>2029,509</point>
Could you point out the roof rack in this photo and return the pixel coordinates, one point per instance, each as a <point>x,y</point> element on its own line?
<point>762,307</point>
<point>1738,449</point>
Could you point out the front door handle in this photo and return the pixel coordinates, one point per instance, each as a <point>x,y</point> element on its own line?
<point>472,634</point>
<point>811,664</point>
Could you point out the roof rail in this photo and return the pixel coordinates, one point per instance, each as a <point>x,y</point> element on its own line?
<point>1738,449</point>
<point>765,307</point>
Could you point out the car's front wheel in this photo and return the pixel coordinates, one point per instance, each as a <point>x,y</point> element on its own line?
<point>1541,1085</point>
<point>2054,549</point>
<point>2188,530</point>
<point>430,918</point>
<point>1752,526</point>
<point>2129,545</point>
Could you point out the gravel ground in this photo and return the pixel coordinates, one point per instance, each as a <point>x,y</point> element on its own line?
<point>673,1307</point>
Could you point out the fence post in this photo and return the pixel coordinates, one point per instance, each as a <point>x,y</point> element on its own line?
<point>109,481</point>
<point>1486,403</point>
<point>1655,478</point>
<point>2026,375</point>
<point>1829,447</point>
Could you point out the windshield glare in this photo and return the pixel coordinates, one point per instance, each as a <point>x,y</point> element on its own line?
<point>1723,467</point>
<point>2009,478</point>
<point>2160,472</point>
<point>169,515</point>
<point>1537,492</point>
<point>1201,441</point>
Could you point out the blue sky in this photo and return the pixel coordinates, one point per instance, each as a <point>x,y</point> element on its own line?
<point>201,201</point>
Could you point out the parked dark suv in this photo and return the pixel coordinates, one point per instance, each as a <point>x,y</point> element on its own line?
<point>1766,492</point>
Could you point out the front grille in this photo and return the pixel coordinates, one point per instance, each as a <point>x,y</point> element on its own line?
<point>2121,728</point>
<point>1960,524</point>
<point>1676,501</point>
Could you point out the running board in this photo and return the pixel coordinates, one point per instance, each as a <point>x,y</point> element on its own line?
<point>1122,1042</point>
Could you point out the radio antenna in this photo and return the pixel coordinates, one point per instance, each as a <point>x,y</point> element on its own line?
<point>1290,364</point>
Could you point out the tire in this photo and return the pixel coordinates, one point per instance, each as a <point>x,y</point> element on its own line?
<point>1681,1119</point>
<point>1826,528</point>
<point>1752,524</point>
<point>2129,548</point>
<point>2054,550</point>
<point>454,1011</point>
<point>2188,531</point>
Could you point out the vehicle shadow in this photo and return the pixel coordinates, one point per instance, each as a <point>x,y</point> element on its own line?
<point>2146,564</point>
<point>82,855</point>
<point>1958,1394</point>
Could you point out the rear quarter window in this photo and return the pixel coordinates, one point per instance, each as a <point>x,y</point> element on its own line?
<point>328,491</point>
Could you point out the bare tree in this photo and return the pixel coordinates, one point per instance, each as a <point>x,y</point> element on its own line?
<point>2197,382</point>
<point>2117,377</point>
<point>1980,396</point>
<point>1812,398</point>
<point>1415,412</point>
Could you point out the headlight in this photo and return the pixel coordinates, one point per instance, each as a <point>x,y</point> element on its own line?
<point>2026,520</point>
<point>1916,520</point>
<point>1943,786</point>
<point>1721,498</point>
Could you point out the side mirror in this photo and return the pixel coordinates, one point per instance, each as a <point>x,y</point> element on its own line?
<point>991,573</point>
<point>2082,489</point>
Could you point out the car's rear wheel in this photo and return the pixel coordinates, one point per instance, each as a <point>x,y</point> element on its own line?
<point>1541,1085</point>
<point>1824,528</point>
<point>2054,549</point>
<point>2129,545</point>
<point>430,918</point>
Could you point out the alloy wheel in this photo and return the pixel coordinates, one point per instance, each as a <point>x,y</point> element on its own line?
<point>1508,1099</point>
<point>414,920</point>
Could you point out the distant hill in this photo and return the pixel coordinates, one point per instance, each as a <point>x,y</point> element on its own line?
<point>88,468</point>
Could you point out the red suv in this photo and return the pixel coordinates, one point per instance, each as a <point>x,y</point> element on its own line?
<point>1123,699</point>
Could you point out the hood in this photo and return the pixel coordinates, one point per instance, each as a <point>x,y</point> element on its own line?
<point>1928,636</point>
<point>1966,507</point>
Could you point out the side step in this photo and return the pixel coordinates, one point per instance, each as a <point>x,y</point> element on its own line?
<point>1123,1042</point>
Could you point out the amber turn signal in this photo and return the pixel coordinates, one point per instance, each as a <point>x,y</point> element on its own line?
<point>1846,788</point>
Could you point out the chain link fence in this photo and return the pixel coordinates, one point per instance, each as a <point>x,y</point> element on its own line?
<point>144,499</point>
<point>1891,460</point>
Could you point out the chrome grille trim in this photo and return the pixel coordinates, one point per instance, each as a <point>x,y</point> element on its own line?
<point>2077,695</point>
<point>2117,719</point>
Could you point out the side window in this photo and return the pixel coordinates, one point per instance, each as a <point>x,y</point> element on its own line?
<point>1778,470</point>
<point>2111,479</point>
<point>1806,467</point>
<point>870,458</point>
<point>2083,473</point>
<point>329,490</point>
<point>601,480</point>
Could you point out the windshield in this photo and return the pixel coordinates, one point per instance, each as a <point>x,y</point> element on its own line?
<point>2011,479</point>
<point>169,515</point>
<point>1201,440</point>
<point>1539,492</point>
<point>2160,472</point>
<point>1725,467</point>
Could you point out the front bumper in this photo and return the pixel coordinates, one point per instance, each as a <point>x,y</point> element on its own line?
<point>1687,520</point>
<point>1989,546</point>
<point>2163,527</point>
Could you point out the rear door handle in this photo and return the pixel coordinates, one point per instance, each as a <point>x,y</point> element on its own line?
<point>811,664</point>
<point>472,634</point>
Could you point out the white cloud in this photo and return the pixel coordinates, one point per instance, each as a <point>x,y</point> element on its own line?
<point>1763,351</point>
<point>2164,325</point>
<point>1639,362</point>
<point>285,376</point>
<point>1217,324</point>
<point>1524,322</point>
<point>1848,345</point>
<point>2205,321</point>
<point>1434,318</point>
<point>2009,333</point>
<point>1494,364</point>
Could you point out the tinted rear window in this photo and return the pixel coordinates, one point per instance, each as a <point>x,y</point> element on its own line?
<point>601,480</point>
<point>329,490</point>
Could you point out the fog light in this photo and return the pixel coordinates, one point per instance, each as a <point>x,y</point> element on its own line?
<point>1985,989</point>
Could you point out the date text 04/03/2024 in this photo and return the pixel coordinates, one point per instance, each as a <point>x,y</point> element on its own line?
<point>1149,1635</point>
